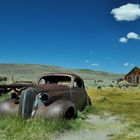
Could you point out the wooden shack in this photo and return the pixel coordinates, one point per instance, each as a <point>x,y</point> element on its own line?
<point>133,76</point>
<point>2,78</point>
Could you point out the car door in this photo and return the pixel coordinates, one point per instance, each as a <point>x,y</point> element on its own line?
<point>78,94</point>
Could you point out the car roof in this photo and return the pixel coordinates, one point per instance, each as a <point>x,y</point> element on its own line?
<point>61,74</point>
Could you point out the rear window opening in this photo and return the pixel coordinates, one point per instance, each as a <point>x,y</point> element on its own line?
<point>60,80</point>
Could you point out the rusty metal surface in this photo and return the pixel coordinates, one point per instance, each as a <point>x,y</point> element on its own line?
<point>5,88</point>
<point>61,74</point>
<point>9,107</point>
<point>16,85</point>
<point>54,110</point>
<point>52,98</point>
<point>50,87</point>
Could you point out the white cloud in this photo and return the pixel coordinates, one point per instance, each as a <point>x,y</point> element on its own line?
<point>133,35</point>
<point>126,64</point>
<point>87,61</point>
<point>95,64</point>
<point>123,40</point>
<point>132,64</point>
<point>128,12</point>
<point>130,35</point>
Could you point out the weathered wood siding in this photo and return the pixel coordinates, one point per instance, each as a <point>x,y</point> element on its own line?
<point>133,76</point>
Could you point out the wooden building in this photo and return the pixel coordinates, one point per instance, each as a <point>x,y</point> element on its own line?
<point>2,78</point>
<point>133,76</point>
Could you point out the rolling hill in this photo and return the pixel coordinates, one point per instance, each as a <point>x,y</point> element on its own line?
<point>33,71</point>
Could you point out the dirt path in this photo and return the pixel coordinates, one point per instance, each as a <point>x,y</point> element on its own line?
<point>105,128</point>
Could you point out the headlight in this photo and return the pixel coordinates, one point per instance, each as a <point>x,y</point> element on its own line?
<point>44,97</point>
<point>14,96</point>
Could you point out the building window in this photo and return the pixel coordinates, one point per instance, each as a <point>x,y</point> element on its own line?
<point>134,79</point>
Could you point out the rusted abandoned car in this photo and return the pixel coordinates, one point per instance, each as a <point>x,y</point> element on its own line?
<point>55,95</point>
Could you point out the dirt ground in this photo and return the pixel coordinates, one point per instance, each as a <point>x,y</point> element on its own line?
<point>106,127</point>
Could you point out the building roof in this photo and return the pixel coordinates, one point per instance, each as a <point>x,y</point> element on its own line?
<point>132,70</point>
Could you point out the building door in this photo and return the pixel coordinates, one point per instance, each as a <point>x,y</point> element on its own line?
<point>138,79</point>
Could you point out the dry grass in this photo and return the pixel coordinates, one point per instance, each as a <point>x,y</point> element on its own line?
<point>124,103</point>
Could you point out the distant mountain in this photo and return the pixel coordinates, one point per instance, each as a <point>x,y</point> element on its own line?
<point>33,71</point>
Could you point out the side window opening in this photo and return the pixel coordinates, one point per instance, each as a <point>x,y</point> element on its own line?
<point>78,83</point>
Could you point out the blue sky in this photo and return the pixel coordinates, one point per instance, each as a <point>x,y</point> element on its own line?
<point>93,34</point>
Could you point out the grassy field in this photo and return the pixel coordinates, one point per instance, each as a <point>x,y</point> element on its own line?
<point>123,103</point>
<point>15,128</point>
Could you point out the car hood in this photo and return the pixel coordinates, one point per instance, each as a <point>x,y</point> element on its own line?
<point>50,87</point>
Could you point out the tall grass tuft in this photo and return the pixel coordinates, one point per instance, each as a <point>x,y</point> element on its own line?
<point>19,129</point>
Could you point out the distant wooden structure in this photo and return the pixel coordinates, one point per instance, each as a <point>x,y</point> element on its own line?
<point>2,78</point>
<point>133,76</point>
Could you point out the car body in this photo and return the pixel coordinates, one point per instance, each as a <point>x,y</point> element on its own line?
<point>55,95</point>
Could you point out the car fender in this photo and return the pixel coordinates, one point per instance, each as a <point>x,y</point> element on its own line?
<point>60,108</point>
<point>9,107</point>
<point>89,102</point>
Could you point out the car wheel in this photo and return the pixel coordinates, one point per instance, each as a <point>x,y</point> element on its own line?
<point>70,113</point>
<point>89,101</point>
